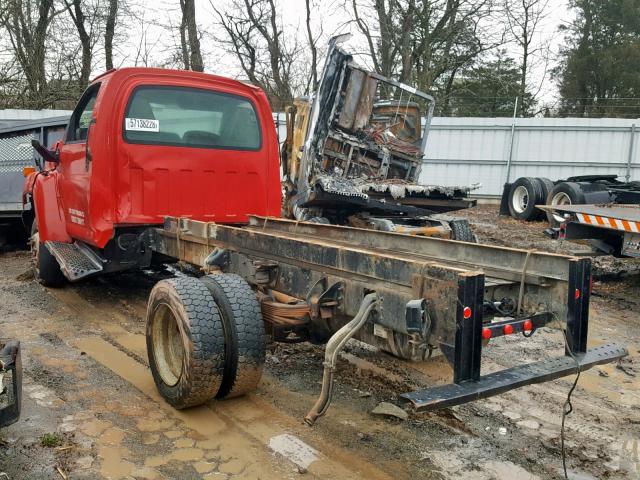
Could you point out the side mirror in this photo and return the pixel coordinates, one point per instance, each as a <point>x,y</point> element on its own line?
<point>45,153</point>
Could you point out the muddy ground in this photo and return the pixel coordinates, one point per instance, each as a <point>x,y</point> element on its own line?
<point>90,399</point>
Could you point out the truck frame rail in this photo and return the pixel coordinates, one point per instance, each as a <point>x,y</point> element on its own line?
<point>431,293</point>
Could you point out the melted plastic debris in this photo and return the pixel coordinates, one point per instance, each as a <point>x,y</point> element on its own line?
<point>399,189</point>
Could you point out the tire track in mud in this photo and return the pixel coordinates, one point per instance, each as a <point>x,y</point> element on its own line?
<point>243,427</point>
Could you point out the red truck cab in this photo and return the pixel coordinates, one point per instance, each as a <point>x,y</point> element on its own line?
<point>145,143</point>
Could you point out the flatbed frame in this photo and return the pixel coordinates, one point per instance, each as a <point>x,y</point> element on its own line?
<point>433,293</point>
<point>611,228</point>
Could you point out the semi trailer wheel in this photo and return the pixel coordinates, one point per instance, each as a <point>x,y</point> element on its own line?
<point>46,267</point>
<point>564,193</point>
<point>547,185</point>
<point>185,342</point>
<point>524,194</point>
<point>244,333</point>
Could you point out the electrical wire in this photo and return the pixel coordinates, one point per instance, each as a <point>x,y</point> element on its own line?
<point>567,408</point>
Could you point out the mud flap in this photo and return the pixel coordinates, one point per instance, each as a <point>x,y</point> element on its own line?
<point>504,200</point>
<point>11,383</point>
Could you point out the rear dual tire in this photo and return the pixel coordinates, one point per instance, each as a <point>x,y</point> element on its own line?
<point>525,194</point>
<point>205,339</point>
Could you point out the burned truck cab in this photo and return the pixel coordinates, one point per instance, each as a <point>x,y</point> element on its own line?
<point>353,156</point>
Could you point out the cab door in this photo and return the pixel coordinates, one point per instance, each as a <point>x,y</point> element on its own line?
<point>75,166</point>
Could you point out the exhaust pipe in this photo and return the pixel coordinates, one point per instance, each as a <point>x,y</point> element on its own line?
<point>334,346</point>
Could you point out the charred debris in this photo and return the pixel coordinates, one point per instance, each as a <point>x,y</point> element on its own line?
<point>353,155</point>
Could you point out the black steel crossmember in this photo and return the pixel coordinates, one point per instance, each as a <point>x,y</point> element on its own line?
<point>511,378</point>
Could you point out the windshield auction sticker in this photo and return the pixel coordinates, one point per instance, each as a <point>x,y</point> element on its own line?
<point>141,125</point>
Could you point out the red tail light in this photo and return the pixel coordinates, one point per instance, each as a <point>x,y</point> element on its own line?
<point>577,294</point>
<point>466,312</point>
<point>507,329</point>
<point>486,333</point>
<point>527,325</point>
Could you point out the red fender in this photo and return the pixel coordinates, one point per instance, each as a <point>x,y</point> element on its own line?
<point>49,213</point>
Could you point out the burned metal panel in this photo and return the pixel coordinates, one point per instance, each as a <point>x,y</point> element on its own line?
<point>358,101</point>
<point>321,113</point>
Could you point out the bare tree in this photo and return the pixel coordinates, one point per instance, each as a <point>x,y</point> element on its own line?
<point>313,79</point>
<point>85,23</point>
<point>145,45</point>
<point>109,32</point>
<point>425,42</point>
<point>189,37</point>
<point>27,25</point>
<point>524,18</point>
<point>255,35</point>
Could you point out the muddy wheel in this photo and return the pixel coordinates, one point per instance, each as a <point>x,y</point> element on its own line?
<point>461,231</point>
<point>45,266</point>
<point>244,333</point>
<point>185,342</point>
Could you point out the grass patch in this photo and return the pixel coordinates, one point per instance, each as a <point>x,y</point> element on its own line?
<point>50,440</point>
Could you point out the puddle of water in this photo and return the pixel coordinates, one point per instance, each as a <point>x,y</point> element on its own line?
<point>95,427</point>
<point>200,419</point>
<point>246,424</point>
<point>294,449</point>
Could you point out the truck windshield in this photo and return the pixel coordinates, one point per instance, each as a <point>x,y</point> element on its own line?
<point>191,117</point>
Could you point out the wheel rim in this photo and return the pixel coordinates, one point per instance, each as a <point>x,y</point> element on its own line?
<point>560,198</point>
<point>168,349</point>
<point>520,199</point>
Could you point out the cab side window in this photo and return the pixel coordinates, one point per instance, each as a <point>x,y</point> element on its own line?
<point>82,115</point>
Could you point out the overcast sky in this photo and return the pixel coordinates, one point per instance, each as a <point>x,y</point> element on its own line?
<point>149,30</point>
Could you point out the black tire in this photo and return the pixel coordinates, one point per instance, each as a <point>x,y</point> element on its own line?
<point>524,193</point>
<point>547,185</point>
<point>185,342</point>
<point>564,193</point>
<point>461,231</point>
<point>245,345</point>
<point>46,267</point>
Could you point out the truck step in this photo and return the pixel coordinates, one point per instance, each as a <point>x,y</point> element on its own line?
<point>76,259</point>
<point>505,380</point>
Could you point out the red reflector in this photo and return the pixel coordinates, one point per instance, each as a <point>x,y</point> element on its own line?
<point>527,325</point>
<point>577,294</point>
<point>507,329</point>
<point>486,333</point>
<point>466,312</point>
